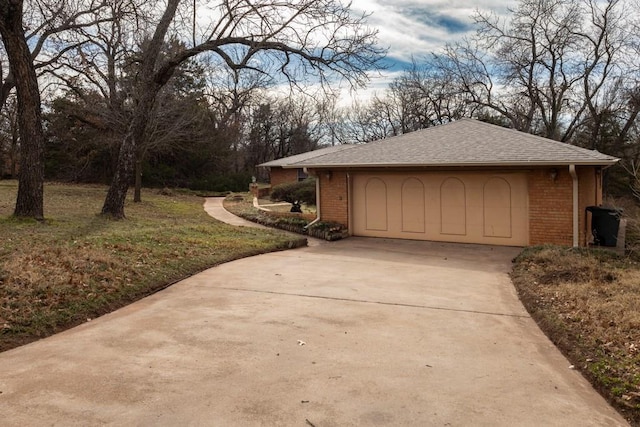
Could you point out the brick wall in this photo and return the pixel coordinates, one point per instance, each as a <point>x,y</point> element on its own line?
<point>551,204</point>
<point>550,207</point>
<point>280,176</point>
<point>334,203</point>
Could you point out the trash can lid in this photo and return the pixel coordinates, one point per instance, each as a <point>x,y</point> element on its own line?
<point>604,210</point>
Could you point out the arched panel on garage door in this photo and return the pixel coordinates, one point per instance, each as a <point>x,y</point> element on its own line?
<point>376,204</point>
<point>453,211</point>
<point>497,208</point>
<point>413,206</point>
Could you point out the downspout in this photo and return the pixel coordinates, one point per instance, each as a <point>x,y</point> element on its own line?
<point>576,228</point>
<point>317,201</point>
<point>349,206</point>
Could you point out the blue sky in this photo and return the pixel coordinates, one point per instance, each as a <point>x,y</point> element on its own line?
<point>414,28</point>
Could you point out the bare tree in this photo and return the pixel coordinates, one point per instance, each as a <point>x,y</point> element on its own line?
<point>547,68</point>
<point>30,201</point>
<point>103,69</point>
<point>298,39</point>
<point>100,55</point>
<point>179,109</point>
<point>424,95</point>
<point>432,97</point>
<point>368,121</point>
<point>22,47</point>
<point>231,94</point>
<point>48,24</point>
<point>283,126</point>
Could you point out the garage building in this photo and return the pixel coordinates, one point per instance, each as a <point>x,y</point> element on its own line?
<point>466,181</point>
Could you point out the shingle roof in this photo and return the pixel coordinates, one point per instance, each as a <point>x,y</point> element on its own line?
<point>465,142</point>
<point>305,156</point>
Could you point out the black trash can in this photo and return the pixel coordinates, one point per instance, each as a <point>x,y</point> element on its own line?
<point>605,223</point>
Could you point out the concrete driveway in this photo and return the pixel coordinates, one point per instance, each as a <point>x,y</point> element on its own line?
<point>358,332</point>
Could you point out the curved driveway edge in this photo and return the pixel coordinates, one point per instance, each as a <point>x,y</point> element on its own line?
<point>357,332</point>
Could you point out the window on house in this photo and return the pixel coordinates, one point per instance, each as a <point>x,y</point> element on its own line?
<point>301,175</point>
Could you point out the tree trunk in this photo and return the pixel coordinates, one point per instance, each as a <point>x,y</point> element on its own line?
<point>29,202</point>
<point>15,138</point>
<point>137,196</point>
<point>127,160</point>
<point>117,194</point>
<point>146,91</point>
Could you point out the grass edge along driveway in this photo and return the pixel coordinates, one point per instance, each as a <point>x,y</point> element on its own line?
<point>587,302</point>
<point>77,265</point>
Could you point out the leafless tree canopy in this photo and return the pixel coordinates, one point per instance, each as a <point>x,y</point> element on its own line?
<point>143,80</point>
<point>117,50</point>
<point>551,67</point>
<point>297,39</point>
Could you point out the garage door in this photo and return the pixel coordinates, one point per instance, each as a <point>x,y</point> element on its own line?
<point>489,208</point>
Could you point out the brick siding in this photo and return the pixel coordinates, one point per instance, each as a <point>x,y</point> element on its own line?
<point>280,175</point>
<point>334,203</point>
<point>550,207</point>
<point>551,204</point>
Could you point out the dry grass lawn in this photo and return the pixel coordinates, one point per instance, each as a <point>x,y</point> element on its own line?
<point>588,303</point>
<point>77,265</point>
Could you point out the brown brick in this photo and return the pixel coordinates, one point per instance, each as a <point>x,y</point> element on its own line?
<point>551,204</point>
<point>280,175</point>
<point>334,203</point>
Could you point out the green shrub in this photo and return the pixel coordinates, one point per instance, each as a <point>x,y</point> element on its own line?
<point>303,192</point>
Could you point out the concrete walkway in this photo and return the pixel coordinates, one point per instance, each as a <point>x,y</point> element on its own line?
<point>360,332</point>
<point>214,207</point>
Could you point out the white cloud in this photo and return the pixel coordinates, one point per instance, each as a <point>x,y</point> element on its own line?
<point>378,84</point>
<point>415,28</point>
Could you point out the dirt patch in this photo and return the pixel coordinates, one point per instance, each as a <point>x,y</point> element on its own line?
<point>587,302</point>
